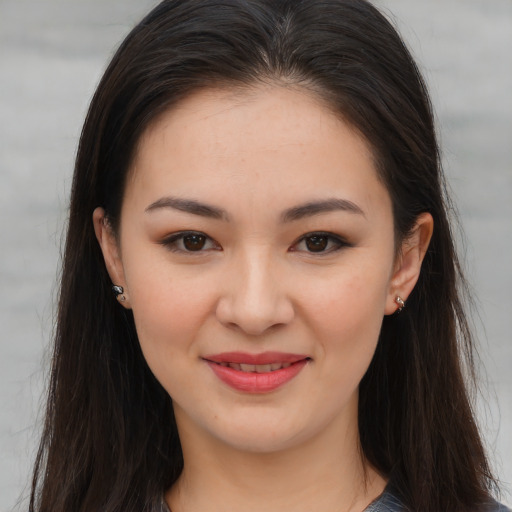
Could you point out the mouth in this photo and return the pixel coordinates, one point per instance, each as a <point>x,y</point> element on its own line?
<point>255,368</point>
<point>259,373</point>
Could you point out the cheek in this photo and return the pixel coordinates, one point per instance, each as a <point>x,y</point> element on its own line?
<point>346,318</point>
<point>349,298</point>
<point>169,310</point>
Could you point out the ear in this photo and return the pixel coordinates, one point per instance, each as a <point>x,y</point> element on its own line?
<point>110,249</point>
<point>408,265</point>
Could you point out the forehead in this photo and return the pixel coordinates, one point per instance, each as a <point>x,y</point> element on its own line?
<point>221,142</point>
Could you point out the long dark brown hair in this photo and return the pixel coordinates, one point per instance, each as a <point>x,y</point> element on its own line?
<point>110,441</point>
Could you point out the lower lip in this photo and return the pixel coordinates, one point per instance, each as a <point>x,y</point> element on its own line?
<point>251,382</point>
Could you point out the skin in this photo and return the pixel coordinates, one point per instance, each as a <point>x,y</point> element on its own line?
<point>257,286</point>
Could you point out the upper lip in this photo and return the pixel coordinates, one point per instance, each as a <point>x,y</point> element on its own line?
<point>256,359</point>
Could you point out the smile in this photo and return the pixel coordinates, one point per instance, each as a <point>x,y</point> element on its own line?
<point>261,373</point>
<point>256,368</point>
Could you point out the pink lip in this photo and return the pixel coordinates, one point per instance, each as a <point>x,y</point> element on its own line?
<point>250,382</point>
<point>262,358</point>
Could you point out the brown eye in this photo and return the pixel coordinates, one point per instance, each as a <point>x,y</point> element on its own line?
<point>188,242</point>
<point>316,243</point>
<point>194,242</point>
<point>320,243</point>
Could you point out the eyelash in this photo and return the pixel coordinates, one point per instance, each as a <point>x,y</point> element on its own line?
<point>173,241</point>
<point>339,242</point>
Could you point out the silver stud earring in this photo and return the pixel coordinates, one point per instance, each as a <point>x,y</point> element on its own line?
<point>400,302</point>
<point>118,292</point>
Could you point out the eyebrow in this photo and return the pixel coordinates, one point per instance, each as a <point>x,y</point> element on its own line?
<point>317,207</point>
<point>292,214</point>
<point>189,206</point>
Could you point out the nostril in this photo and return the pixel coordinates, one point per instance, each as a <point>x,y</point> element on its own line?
<point>254,306</point>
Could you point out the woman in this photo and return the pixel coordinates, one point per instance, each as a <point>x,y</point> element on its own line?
<point>259,303</point>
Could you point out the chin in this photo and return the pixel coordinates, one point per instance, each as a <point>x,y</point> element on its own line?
<point>264,433</point>
<point>258,442</point>
<point>249,430</point>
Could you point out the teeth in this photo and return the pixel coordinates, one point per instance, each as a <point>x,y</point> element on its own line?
<point>248,367</point>
<point>256,368</point>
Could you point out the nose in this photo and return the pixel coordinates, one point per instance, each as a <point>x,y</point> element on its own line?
<point>254,297</point>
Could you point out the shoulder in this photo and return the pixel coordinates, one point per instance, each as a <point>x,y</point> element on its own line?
<point>388,502</point>
<point>498,507</point>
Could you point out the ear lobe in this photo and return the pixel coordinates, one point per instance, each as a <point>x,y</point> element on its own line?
<point>408,265</point>
<point>110,249</point>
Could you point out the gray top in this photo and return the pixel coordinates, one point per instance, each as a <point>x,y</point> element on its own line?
<point>386,502</point>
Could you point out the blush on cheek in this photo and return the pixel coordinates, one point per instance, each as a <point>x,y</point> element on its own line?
<point>349,299</point>
<point>350,323</point>
<point>166,324</point>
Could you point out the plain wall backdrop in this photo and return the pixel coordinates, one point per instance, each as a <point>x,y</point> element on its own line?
<point>52,54</point>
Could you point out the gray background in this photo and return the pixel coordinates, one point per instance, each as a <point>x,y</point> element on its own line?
<point>52,53</point>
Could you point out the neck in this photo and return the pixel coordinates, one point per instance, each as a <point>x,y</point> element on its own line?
<point>328,473</point>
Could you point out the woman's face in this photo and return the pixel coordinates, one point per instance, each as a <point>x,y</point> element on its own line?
<point>256,250</point>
